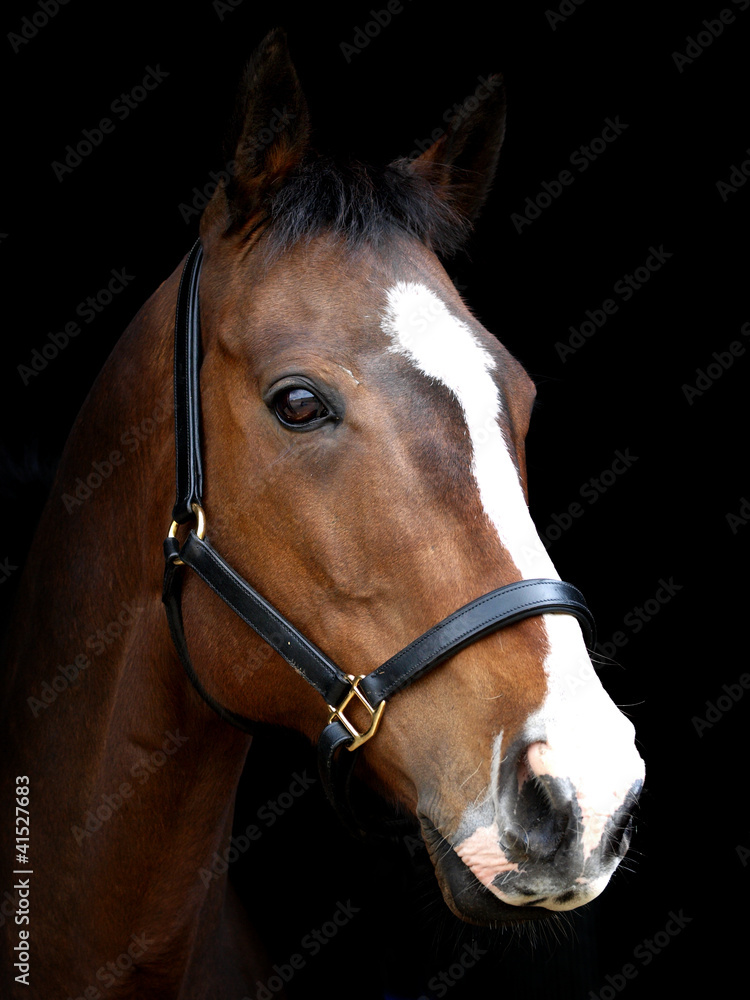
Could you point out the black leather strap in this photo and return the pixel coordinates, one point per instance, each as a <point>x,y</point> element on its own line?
<point>172,598</point>
<point>495,610</point>
<point>322,673</point>
<point>189,473</point>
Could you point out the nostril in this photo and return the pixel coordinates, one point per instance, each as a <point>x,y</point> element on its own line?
<point>514,842</point>
<point>536,817</point>
<point>536,809</point>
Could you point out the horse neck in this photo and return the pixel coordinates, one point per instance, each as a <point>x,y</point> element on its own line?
<point>132,777</point>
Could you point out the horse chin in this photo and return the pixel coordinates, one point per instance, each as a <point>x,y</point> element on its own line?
<point>464,894</point>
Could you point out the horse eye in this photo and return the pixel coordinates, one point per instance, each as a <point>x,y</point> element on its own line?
<point>296,406</point>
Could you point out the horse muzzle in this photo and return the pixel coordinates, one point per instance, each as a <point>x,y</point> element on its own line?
<point>548,836</point>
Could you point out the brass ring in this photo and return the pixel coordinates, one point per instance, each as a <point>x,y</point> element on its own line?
<point>201,518</point>
<point>200,528</point>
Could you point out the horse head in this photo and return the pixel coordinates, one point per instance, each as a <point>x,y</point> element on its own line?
<point>364,468</point>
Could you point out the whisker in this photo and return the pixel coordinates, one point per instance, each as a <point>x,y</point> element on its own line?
<point>471,775</point>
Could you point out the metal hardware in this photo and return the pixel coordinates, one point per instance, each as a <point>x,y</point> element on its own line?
<point>200,529</point>
<point>375,714</point>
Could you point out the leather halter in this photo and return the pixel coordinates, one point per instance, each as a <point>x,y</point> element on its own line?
<point>495,610</point>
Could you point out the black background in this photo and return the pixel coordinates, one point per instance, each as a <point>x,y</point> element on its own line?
<point>665,518</point>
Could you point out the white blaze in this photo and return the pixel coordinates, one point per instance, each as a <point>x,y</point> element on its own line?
<point>443,347</point>
<point>592,741</point>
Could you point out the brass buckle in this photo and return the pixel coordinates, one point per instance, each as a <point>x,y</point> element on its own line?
<point>200,529</point>
<point>375,714</point>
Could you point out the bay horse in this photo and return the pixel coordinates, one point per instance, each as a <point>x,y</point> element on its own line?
<point>362,464</point>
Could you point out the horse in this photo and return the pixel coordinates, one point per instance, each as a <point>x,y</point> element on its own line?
<point>355,438</point>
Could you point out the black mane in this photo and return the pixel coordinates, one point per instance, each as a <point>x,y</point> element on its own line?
<point>362,204</point>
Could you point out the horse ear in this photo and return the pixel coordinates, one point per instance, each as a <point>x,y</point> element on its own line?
<point>270,129</point>
<point>463,161</point>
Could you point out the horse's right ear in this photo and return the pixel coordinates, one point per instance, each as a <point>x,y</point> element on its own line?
<point>463,161</point>
<point>268,137</point>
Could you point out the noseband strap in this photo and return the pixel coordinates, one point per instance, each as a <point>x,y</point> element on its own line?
<point>495,610</point>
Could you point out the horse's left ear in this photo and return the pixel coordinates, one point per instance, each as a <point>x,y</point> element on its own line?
<point>463,161</point>
<point>269,136</point>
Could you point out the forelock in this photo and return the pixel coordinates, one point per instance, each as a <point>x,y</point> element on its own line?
<point>361,204</point>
